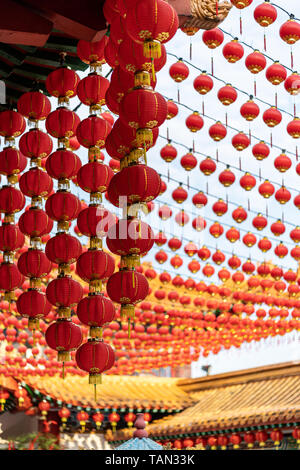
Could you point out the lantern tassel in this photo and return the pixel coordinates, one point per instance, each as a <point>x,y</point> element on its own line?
<point>153,69</point>
<point>63,370</point>
<point>265,42</point>
<point>292,58</point>
<point>95,392</point>
<point>191,50</point>
<point>254,87</point>
<point>241,24</point>
<point>212,65</point>
<point>129,328</point>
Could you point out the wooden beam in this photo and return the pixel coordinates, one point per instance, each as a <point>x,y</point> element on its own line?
<point>81,20</point>
<point>21,25</point>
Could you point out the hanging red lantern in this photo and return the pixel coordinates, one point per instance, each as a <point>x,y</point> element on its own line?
<point>266,189</point>
<point>265,14</point>
<point>248,182</point>
<point>94,177</point>
<point>191,249</point>
<point>137,183</point>
<point>208,270</point>
<point>151,24</point>
<point>11,200</point>
<point>240,141</point>
<point>176,261</point>
<point>249,110</point>
<point>213,38</point>
<point>35,144</point>
<point>34,264</point>
<point>63,336</point>
<point>272,117</point>
<point>293,128</point>
<point>234,262</point>
<point>263,270</point>
<point>283,195</point>
<point>35,223</point>
<point>216,230</point>
<point>260,150</point>
<point>63,249</point>
<point>62,123</point>
<point>255,62</point>
<point>261,437</point>
<point>290,31</point>
<point>127,288</point>
<point>179,195</point>
<point>188,162</point>
<point>174,243</point>
<point>203,84</point>
<point>36,183</point>
<point>199,199</point>
<point>63,164</point>
<point>218,257</point>
<point>227,95</point>
<point>12,124</point>
<point>92,52</point>
<point>292,84</point>
<point>281,250</point>
<point>194,266</point>
<point>34,306</point>
<point>227,177</point>
<point>207,166</point>
<point>95,357</point>
<point>259,222</point>
<point>179,71</point>
<point>168,153</point>
<point>232,235</point>
<point>233,51</point>
<point>248,267</point>
<point>199,223</point>
<point>295,234</point>
<point>239,215</point>
<point>11,238</point>
<point>160,239</point>
<point>161,257</point>
<point>282,163</point>
<point>64,292</point>
<point>172,109</point>
<point>93,131</point>
<point>297,201</point>
<point>182,218</point>
<point>62,84</point>
<point>12,162</point>
<point>64,414</point>
<point>276,73</point>
<point>63,207</point>
<point>249,239</point>
<point>217,131</point>
<point>277,228</point>
<point>91,91</point>
<point>264,244</point>
<point>164,212</point>
<point>194,122</point>
<point>220,207</point>
<point>95,265</point>
<point>34,105</point>
<point>95,311</point>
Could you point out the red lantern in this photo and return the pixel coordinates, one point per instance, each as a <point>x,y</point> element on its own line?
<point>227,95</point>
<point>199,199</point>
<point>179,71</point>
<point>264,245</point>
<point>247,182</point>
<point>260,150</point>
<point>199,223</point>
<point>266,189</point>
<point>131,238</point>
<point>182,218</point>
<point>92,52</point>
<point>265,14</point>
<point>220,207</point>
<point>216,230</point>
<point>240,141</point>
<point>203,84</point>
<point>12,124</point>
<point>179,195</point>
<point>249,110</point>
<point>232,235</point>
<point>94,177</point>
<point>249,239</point>
<point>63,249</point>
<point>95,357</point>
<point>164,212</point>
<point>36,144</point>
<point>35,223</point>
<point>194,122</point>
<point>33,305</point>
<point>259,222</point>
<point>11,238</point>
<point>36,182</point>
<point>63,164</point>
<point>276,73</point>
<point>208,166</point>
<point>127,288</point>
<point>63,336</point>
<point>63,206</point>
<point>293,128</point>
<point>95,265</point>
<point>217,131</point>
<point>188,162</point>
<point>282,195</point>
<point>174,244</point>
<point>290,31</point>
<point>168,153</point>
<point>234,262</point>
<point>151,24</point>
<point>34,105</point>
<point>272,117</point>
<point>34,264</point>
<point>172,109</point>
<point>62,123</point>
<point>233,51</point>
<point>137,183</point>
<point>213,38</point>
<point>255,62</point>
<point>277,228</point>
<point>282,163</point>
<point>239,215</point>
<point>261,437</point>
<point>93,131</point>
<point>295,234</point>
<point>292,84</point>
<point>62,83</point>
<point>11,200</point>
<point>64,292</point>
<point>12,162</point>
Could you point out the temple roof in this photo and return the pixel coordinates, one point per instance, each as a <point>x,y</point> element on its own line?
<point>249,398</point>
<point>144,392</point>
